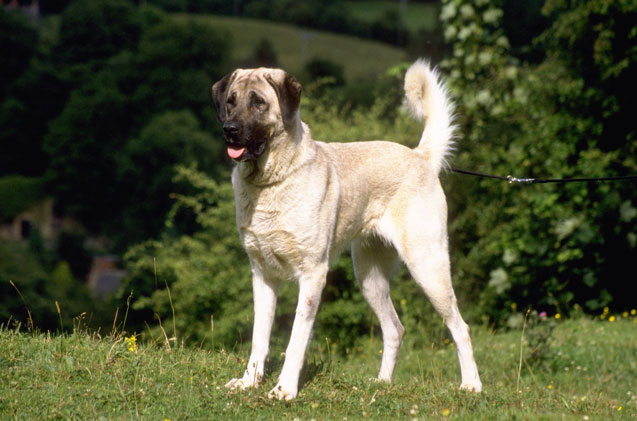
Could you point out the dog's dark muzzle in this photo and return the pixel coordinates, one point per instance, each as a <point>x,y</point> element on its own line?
<point>241,146</point>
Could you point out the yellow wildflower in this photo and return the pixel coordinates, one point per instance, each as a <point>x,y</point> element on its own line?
<point>446,412</point>
<point>557,316</point>
<point>611,319</point>
<point>633,312</point>
<point>549,387</point>
<point>131,343</point>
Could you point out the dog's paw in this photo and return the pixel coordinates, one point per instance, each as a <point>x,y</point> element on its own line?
<point>241,384</point>
<point>472,387</point>
<point>282,393</point>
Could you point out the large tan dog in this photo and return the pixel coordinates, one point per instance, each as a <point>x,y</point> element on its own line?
<point>300,203</point>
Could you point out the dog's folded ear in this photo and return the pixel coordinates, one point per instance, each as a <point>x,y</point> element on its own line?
<point>288,90</point>
<point>219,95</point>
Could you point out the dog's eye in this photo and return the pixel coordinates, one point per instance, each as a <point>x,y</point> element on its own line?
<point>258,102</point>
<point>232,99</point>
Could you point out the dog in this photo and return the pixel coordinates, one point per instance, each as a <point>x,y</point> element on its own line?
<point>301,202</point>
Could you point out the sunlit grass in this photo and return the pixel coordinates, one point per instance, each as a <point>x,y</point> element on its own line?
<point>589,373</point>
<point>295,46</point>
<point>417,15</point>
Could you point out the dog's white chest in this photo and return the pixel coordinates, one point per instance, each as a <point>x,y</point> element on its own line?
<point>271,240</point>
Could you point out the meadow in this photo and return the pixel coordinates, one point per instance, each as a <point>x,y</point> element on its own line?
<point>295,46</point>
<point>417,15</point>
<point>586,370</point>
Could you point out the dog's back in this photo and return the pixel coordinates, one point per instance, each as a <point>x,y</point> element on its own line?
<point>377,176</point>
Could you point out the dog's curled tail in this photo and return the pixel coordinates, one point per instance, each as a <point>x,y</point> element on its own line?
<point>428,101</point>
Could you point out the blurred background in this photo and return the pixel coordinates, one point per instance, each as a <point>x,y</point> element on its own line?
<point>115,204</point>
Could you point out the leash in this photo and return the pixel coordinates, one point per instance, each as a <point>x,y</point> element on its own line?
<point>513,180</point>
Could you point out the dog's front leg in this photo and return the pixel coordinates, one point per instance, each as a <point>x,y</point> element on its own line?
<point>264,295</point>
<point>310,290</point>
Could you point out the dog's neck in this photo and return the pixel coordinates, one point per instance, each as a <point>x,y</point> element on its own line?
<point>284,154</point>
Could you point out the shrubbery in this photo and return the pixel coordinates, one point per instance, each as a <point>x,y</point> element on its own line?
<point>514,247</point>
<point>545,246</point>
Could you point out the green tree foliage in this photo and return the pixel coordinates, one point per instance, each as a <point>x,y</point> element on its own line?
<point>97,29</point>
<point>107,123</point>
<point>208,273</point>
<point>18,41</point>
<point>146,167</point>
<point>17,193</point>
<point>177,62</point>
<point>604,35</point>
<point>104,104</point>
<point>35,98</point>
<point>30,93</point>
<point>547,246</point>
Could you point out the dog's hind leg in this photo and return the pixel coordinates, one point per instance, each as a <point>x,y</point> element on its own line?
<point>431,272</point>
<point>374,263</point>
<point>422,245</point>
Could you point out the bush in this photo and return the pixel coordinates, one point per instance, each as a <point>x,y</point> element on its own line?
<point>544,246</point>
<point>18,41</point>
<point>106,132</point>
<point>39,291</point>
<point>95,30</point>
<point>17,193</point>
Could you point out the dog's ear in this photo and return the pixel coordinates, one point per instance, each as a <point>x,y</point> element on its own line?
<point>288,90</point>
<point>219,95</point>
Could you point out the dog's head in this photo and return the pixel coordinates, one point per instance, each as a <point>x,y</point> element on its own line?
<point>254,106</point>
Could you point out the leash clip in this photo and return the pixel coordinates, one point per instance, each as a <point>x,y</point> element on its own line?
<point>512,180</point>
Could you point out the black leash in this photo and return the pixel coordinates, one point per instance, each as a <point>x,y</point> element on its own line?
<point>513,180</point>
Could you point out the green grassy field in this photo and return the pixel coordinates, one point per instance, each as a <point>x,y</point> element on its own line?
<point>417,15</point>
<point>590,372</point>
<point>295,46</point>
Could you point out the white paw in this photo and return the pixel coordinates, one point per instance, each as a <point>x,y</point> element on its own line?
<point>282,393</point>
<point>471,387</point>
<point>242,383</point>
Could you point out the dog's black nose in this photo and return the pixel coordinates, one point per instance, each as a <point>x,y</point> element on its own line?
<point>230,128</point>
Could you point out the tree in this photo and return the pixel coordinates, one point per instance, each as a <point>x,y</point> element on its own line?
<point>97,29</point>
<point>207,272</point>
<point>18,41</point>
<point>596,40</point>
<point>33,100</point>
<point>549,246</point>
<point>146,168</point>
<point>173,68</point>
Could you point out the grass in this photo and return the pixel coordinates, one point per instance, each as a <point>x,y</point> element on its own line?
<point>417,15</point>
<point>591,374</point>
<point>295,46</point>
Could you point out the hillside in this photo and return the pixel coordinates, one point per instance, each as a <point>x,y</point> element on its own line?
<point>295,46</point>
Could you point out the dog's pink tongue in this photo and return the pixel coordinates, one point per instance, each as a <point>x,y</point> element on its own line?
<point>235,153</point>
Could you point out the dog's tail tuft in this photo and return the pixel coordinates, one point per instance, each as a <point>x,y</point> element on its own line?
<point>428,101</point>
